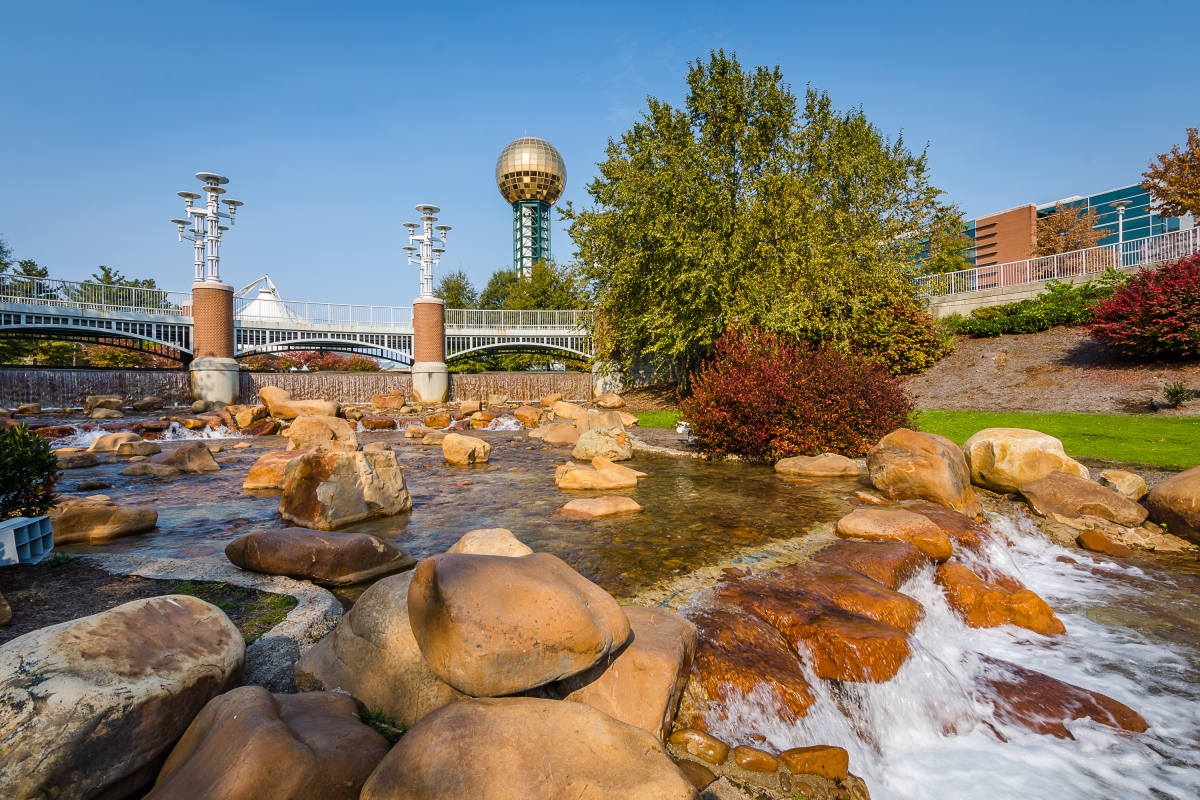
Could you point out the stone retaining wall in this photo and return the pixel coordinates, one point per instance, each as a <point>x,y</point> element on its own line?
<point>68,388</point>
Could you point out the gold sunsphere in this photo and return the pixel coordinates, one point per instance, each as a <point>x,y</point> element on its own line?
<point>531,169</point>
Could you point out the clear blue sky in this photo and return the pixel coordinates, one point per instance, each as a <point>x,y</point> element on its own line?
<point>333,120</point>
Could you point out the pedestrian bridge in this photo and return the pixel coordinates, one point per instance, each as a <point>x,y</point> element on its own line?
<point>160,322</point>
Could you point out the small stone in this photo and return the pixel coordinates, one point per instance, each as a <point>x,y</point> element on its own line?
<point>610,400</point>
<point>752,759</point>
<point>549,400</point>
<point>435,438</point>
<point>1065,560</point>
<point>591,507</point>
<point>141,470</point>
<point>376,447</point>
<point>491,542</point>
<point>378,423</point>
<point>241,446</point>
<point>437,421</point>
<point>462,450</point>
<point>701,745</point>
<point>248,415</point>
<point>469,407</point>
<point>1097,542</point>
<point>264,427</point>
<point>417,431</point>
<point>497,399</point>
<point>824,760</point>
<point>138,449</point>
<point>1127,484</point>
<point>200,406</point>
<point>697,774</point>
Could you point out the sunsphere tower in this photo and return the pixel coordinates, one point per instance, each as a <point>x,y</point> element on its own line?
<point>531,175</point>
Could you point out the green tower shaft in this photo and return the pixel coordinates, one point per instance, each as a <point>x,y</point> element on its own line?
<point>531,234</point>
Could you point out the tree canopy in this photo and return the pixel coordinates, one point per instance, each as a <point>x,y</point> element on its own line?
<point>549,286</point>
<point>748,206</point>
<point>111,277</point>
<point>1068,228</point>
<point>1174,180</point>
<point>456,289</point>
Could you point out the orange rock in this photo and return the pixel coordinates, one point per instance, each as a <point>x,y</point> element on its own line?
<point>701,745</point>
<point>599,507</point>
<point>437,421</point>
<point>752,759</point>
<point>906,465</point>
<point>824,760</point>
<point>986,605</point>
<point>964,531</point>
<point>528,416</point>
<point>268,471</point>
<point>378,423</point>
<point>889,563</point>
<point>1097,542</point>
<point>697,774</point>
<point>847,590</point>
<point>1042,704</point>
<point>896,524</point>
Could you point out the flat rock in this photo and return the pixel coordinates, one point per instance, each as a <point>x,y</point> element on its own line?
<point>144,470</point>
<point>392,400</point>
<point>906,465</point>
<point>328,490</point>
<point>469,407</point>
<point>79,460</point>
<point>826,465</point>
<point>111,442</point>
<point>92,520</point>
<point>609,400</point>
<point>563,750</point>
<point>92,705</point>
<point>268,471</point>
<point>561,434</point>
<point>494,625</point>
<point>264,427</point>
<point>1001,459</point>
<point>568,410</point>
<point>822,759</point>
<point>895,524</point>
<point>602,419</point>
<point>373,655</point>
<point>326,558</point>
<point>1073,497</point>
<point>250,744</point>
<point>139,448</point>
<point>982,604</point>
<point>888,563</point>
<point>461,450</point>
<point>491,542</point>
<point>332,434</point>
<point>577,477</point>
<point>281,405</point>
<point>106,413</point>
<point>589,507</point>
<point>641,683</point>
<point>1129,485</point>
<point>194,457</point>
<point>378,423</point>
<point>1097,542</point>
<point>1176,503</point>
<point>609,443</point>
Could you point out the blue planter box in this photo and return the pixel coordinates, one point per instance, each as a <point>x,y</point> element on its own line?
<point>25,540</point>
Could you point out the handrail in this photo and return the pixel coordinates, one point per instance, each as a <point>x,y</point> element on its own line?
<point>94,296</point>
<point>1133,253</point>
<point>301,313</point>
<point>572,320</point>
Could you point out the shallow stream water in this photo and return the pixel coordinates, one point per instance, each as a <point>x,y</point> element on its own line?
<point>1133,626</point>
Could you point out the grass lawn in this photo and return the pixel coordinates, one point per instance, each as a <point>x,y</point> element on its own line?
<point>658,419</point>
<point>1169,442</point>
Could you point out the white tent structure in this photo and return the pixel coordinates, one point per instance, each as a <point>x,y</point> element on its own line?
<point>266,305</point>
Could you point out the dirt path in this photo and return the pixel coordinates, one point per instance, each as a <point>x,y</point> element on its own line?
<point>1058,370</point>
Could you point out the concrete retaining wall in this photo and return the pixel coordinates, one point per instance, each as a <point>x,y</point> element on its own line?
<point>966,302</point>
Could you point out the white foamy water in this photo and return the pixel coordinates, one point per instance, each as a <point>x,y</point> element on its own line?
<point>928,734</point>
<point>174,433</point>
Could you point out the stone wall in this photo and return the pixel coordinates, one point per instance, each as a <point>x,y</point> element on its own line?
<point>67,388</point>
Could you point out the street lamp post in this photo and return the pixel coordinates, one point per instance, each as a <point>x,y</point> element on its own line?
<point>206,228</point>
<point>1120,206</point>
<point>430,377</point>
<point>426,249</point>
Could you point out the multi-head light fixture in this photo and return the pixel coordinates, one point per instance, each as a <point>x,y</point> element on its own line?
<point>424,249</point>
<point>206,227</point>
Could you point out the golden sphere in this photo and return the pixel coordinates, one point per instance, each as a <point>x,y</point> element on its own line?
<point>531,169</point>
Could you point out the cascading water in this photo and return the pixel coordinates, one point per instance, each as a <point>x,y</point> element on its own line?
<point>174,433</point>
<point>932,732</point>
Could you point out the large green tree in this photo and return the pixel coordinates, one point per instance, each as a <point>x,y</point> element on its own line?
<point>748,206</point>
<point>456,289</point>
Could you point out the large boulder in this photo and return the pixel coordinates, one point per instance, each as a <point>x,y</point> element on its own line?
<point>78,460</point>
<point>91,520</point>
<point>1001,459</point>
<point>889,563</point>
<point>463,450</point>
<point>281,405</point>
<point>1129,485</point>
<point>603,419</point>
<point>528,415</point>
<point>1176,503</point>
<point>610,400</point>
<point>906,465</point>
<point>578,476</point>
<point>328,490</point>
<point>642,682</point>
<point>591,507</point>
<point>983,604</point>
<point>113,402</point>
<point>491,542</point>
<point>250,744</point>
<point>495,625</point>
<point>194,457</point>
<point>148,404</point>
<point>88,708</point>
<point>568,410</point>
<point>327,558</point>
<point>111,442</point>
<point>373,655</point>
<point>1073,497</point>
<point>394,400</point>
<point>560,434</point>
<point>826,465</point>
<point>895,524</point>
<point>139,448</point>
<point>268,471</point>
<point>520,748</point>
<point>246,416</point>
<point>610,443</point>
<point>322,434</point>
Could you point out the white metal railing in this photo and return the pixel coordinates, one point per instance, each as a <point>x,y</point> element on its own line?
<point>253,309</point>
<point>93,296</point>
<point>1133,253</point>
<point>526,320</point>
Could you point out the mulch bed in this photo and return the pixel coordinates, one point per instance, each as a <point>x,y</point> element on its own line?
<point>63,588</point>
<point>659,397</point>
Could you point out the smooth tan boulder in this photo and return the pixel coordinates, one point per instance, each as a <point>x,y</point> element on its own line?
<point>248,415</point>
<point>641,683</point>
<point>322,434</point>
<point>373,655</point>
<point>88,708</point>
<point>906,465</point>
<point>549,400</point>
<point>139,448</point>
<point>1001,459</point>
<point>80,460</point>
<point>894,524</point>
<point>568,410</point>
<point>518,748</point>
<point>250,744</point>
<point>89,520</point>
<point>491,542</point>
<point>1074,497</point>
<point>826,465</point>
<point>328,490</point>
<point>600,462</point>
<point>325,558</point>
<point>150,471</point>
<point>888,563</point>
<point>469,406</point>
<point>378,423</point>
<point>595,479</point>
<point>561,434</point>
<point>111,442</point>
<point>418,432</point>
<point>590,507</point>
<point>603,419</point>
<point>822,759</point>
<point>610,443</point>
<point>1176,503</point>
<point>752,759</point>
<point>985,605</point>
<point>1097,542</point>
<point>264,427</point>
<point>494,625</point>
<point>528,415</point>
<point>268,471</point>
<point>113,402</point>
<point>194,457</point>
<point>106,413</point>
<point>610,400</point>
<point>281,405</point>
<point>394,400</point>
<point>461,450</point>
<point>1129,485</point>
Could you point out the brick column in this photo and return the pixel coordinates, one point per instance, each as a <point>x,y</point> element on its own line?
<point>214,372</point>
<point>431,381</point>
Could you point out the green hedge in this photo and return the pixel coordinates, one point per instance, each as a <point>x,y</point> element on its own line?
<point>1062,304</point>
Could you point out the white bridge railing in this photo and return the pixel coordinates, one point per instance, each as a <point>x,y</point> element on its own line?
<point>291,312</point>
<point>1134,253</point>
<point>93,296</point>
<point>526,320</point>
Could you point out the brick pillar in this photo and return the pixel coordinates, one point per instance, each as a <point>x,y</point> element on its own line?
<point>214,372</point>
<point>431,382</point>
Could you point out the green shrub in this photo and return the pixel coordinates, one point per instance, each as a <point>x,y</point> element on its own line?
<point>382,724</point>
<point>1063,304</point>
<point>1177,393</point>
<point>899,335</point>
<point>28,473</point>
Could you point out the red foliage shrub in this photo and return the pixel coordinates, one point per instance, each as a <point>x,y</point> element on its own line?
<point>766,396</point>
<point>1157,313</point>
<point>314,360</point>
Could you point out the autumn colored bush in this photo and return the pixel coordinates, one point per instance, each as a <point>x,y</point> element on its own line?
<point>314,360</point>
<point>1157,313</point>
<point>766,396</point>
<point>901,335</point>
